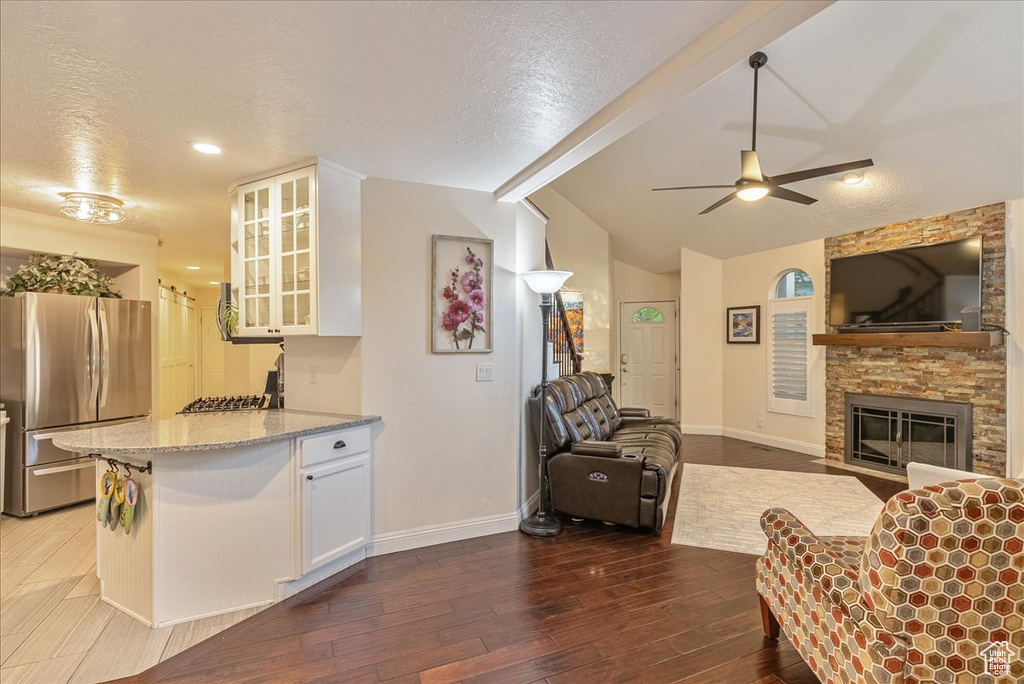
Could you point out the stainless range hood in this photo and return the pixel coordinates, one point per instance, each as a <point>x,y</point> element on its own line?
<point>222,304</point>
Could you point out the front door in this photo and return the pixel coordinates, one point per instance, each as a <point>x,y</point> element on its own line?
<point>647,359</point>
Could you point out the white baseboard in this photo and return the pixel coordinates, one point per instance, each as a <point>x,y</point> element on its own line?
<point>403,540</point>
<point>214,613</point>
<point>124,610</point>
<point>715,430</point>
<point>290,587</point>
<point>777,442</point>
<point>527,508</point>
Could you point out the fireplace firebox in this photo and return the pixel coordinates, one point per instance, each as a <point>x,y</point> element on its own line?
<point>886,432</point>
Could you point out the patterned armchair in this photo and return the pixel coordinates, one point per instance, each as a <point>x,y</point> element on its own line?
<point>939,580</point>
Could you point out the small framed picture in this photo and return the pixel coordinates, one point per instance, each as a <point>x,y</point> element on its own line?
<point>743,325</point>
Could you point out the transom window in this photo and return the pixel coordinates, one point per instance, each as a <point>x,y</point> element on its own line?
<point>648,314</point>
<point>794,283</point>
<point>789,343</point>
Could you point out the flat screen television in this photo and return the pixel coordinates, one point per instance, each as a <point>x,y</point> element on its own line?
<point>908,288</point>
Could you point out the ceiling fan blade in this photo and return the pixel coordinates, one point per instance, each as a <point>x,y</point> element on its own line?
<point>783,193</point>
<point>693,187</point>
<point>718,204</point>
<point>820,171</point>
<point>750,165</point>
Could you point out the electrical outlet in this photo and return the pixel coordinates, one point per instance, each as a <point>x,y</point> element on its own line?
<point>760,422</point>
<point>485,372</point>
<point>312,375</point>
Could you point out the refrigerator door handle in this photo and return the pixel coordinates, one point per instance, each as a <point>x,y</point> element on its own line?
<point>94,361</point>
<point>105,361</point>
<point>63,469</point>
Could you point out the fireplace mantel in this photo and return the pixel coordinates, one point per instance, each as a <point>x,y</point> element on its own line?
<point>975,340</point>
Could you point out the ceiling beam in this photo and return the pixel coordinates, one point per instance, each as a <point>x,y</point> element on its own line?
<point>731,41</point>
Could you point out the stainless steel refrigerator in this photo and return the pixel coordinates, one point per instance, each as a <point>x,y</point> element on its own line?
<point>67,363</point>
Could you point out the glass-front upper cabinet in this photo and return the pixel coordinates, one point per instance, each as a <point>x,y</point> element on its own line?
<point>296,207</point>
<point>281,224</point>
<point>255,290</point>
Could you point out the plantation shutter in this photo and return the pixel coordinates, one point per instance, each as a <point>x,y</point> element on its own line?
<point>789,355</point>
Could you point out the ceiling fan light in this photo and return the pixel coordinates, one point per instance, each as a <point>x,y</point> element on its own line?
<point>852,178</point>
<point>752,193</point>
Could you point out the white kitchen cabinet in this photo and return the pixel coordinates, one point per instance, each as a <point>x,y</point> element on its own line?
<point>335,510</point>
<point>296,252</point>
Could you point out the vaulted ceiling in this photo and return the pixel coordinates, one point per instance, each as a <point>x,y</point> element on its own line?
<point>932,91</point>
<point>104,97</point>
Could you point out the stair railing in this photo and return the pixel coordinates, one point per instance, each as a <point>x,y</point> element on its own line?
<point>565,353</point>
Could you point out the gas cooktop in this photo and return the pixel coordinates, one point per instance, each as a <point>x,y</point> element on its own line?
<point>239,403</point>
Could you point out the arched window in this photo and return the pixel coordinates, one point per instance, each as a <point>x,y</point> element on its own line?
<point>648,314</point>
<point>790,308</point>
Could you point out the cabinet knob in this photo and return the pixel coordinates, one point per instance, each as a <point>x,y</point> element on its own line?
<point>340,444</point>
<point>270,330</point>
<point>309,477</point>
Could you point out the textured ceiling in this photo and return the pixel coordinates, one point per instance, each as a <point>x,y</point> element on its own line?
<point>103,97</point>
<point>932,91</point>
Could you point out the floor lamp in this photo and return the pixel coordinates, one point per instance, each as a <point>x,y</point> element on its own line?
<point>543,523</point>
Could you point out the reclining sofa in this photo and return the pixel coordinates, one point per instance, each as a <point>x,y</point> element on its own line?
<point>606,463</point>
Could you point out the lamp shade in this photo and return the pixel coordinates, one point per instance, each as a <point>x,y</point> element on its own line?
<point>546,282</point>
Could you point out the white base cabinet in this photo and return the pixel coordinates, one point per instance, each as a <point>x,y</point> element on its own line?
<point>224,529</point>
<point>335,510</point>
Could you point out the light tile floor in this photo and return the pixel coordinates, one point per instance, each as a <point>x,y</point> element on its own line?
<point>53,626</point>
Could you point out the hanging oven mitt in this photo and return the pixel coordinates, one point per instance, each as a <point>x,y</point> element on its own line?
<point>106,492</point>
<point>115,502</point>
<point>131,498</point>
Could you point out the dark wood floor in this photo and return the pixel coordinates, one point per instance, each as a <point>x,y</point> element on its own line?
<point>596,604</point>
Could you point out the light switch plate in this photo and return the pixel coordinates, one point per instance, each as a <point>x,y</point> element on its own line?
<point>485,372</point>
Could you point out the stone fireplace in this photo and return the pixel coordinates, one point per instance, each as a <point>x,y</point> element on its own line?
<point>961,375</point>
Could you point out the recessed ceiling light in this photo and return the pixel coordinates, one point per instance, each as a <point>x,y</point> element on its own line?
<point>205,147</point>
<point>192,268</point>
<point>852,178</point>
<point>90,208</point>
<point>215,282</point>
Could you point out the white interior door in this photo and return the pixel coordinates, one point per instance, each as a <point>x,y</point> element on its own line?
<point>647,356</point>
<point>211,354</point>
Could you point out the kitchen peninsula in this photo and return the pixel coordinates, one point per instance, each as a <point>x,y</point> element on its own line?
<point>238,509</point>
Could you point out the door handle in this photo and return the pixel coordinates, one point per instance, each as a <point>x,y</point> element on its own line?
<point>105,360</point>
<point>94,354</point>
<point>624,370</point>
<point>624,359</point>
<point>63,469</point>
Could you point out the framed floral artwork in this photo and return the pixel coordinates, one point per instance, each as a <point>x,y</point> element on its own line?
<point>461,288</point>
<point>743,325</point>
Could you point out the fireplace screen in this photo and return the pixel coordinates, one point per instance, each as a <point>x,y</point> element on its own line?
<point>886,433</point>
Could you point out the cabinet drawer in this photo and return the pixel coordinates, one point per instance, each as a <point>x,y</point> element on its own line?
<point>322,448</point>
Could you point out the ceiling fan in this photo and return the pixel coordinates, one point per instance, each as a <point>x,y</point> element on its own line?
<point>753,185</point>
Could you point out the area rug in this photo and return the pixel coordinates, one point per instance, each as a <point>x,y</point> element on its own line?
<point>720,507</point>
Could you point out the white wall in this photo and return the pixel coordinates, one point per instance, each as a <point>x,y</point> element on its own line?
<point>448,449</point>
<point>746,281</point>
<point>702,337</point>
<point>579,245</point>
<point>320,373</point>
<point>530,229</point>
<point>1015,342</point>
<point>32,232</point>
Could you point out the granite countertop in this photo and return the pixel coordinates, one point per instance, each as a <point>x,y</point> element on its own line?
<point>205,431</point>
